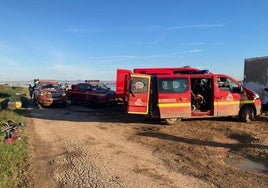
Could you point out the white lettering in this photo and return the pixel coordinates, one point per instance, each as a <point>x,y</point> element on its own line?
<point>138,102</point>
<point>172,100</point>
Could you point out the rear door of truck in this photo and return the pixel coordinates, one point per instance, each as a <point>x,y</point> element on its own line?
<point>122,78</point>
<point>138,94</point>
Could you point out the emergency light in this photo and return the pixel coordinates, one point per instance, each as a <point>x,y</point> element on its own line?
<point>205,71</point>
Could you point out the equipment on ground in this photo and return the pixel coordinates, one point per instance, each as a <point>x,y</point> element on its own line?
<point>11,130</point>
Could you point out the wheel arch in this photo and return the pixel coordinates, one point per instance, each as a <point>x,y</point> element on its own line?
<point>252,106</point>
<point>245,113</point>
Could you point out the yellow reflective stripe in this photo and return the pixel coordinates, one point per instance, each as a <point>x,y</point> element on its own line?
<point>234,102</point>
<point>215,103</point>
<point>138,112</point>
<point>174,104</point>
<point>140,76</point>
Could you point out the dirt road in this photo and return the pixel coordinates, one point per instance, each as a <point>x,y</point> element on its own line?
<point>82,147</point>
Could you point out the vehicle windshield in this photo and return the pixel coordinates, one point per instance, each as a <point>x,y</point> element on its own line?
<point>50,86</point>
<point>100,87</point>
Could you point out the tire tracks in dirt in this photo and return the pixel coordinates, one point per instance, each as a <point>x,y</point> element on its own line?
<point>75,149</point>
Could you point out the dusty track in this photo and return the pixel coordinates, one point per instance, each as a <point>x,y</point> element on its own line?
<point>82,147</point>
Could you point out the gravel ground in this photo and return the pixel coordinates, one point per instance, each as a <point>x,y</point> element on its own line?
<point>77,146</point>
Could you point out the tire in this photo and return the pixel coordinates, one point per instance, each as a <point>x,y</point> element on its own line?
<point>39,106</point>
<point>95,102</point>
<point>64,104</point>
<point>172,121</point>
<point>246,114</point>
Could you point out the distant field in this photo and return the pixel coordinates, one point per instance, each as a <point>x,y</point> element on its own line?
<point>110,83</point>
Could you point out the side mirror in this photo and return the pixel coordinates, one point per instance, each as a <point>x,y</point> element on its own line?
<point>241,89</point>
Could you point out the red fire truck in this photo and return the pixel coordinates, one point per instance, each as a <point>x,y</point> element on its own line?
<point>172,94</point>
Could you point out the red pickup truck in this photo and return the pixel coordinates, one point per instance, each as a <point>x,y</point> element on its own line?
<point>49,92</point>
<point>91,92</point>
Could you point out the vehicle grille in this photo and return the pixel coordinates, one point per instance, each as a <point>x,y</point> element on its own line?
<point>53,95</point>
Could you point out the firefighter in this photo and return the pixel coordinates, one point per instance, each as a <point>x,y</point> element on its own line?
<point>31,89</point>
<point>198,93</point>
<point>66,86</point>
<point>36,82</point>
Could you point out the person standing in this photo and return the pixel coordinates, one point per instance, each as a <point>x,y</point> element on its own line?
<point>36,82</point>
<point>31,89</point>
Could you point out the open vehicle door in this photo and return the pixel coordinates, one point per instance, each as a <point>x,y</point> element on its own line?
<point>174,96</point>
<point>227,97</point>
<point>139,91</point>
<point>122,78</point>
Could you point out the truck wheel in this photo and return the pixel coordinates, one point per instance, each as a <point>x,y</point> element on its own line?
<point>246,114</point>
<point>95,103</point>
<point>64,104</point>
<point>172,121</point>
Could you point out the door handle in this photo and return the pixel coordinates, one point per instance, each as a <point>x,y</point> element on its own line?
<point>133,95</point>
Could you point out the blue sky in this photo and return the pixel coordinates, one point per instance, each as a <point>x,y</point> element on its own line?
<point>90,39</point>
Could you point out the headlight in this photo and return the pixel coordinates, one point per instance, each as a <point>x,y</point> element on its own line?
<point>256,96</point>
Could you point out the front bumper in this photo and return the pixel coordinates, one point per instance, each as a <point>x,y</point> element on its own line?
<point>51,101</point>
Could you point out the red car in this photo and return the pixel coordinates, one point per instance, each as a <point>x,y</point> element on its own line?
<point>47,93</point>
<point>91,92</point>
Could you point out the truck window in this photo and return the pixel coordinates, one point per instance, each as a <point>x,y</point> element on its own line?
<point>234,87</point>
<point>50,86</point>
<point>173,85</point>
<point>201,85</point>
<point>139,85</point>
<point>223,83</point>
<point>82,86</point>
<point>228,84</point>
<point>87,87</point>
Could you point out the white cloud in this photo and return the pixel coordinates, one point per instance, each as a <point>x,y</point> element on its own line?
<point>193,43</point>
<point>119,58</point>
<point>81,30</point>
<point>194,51</point>
<point>196,26</point>
<point>144,28</point>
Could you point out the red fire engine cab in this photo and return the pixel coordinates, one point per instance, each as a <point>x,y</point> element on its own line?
<point>172,94</point>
